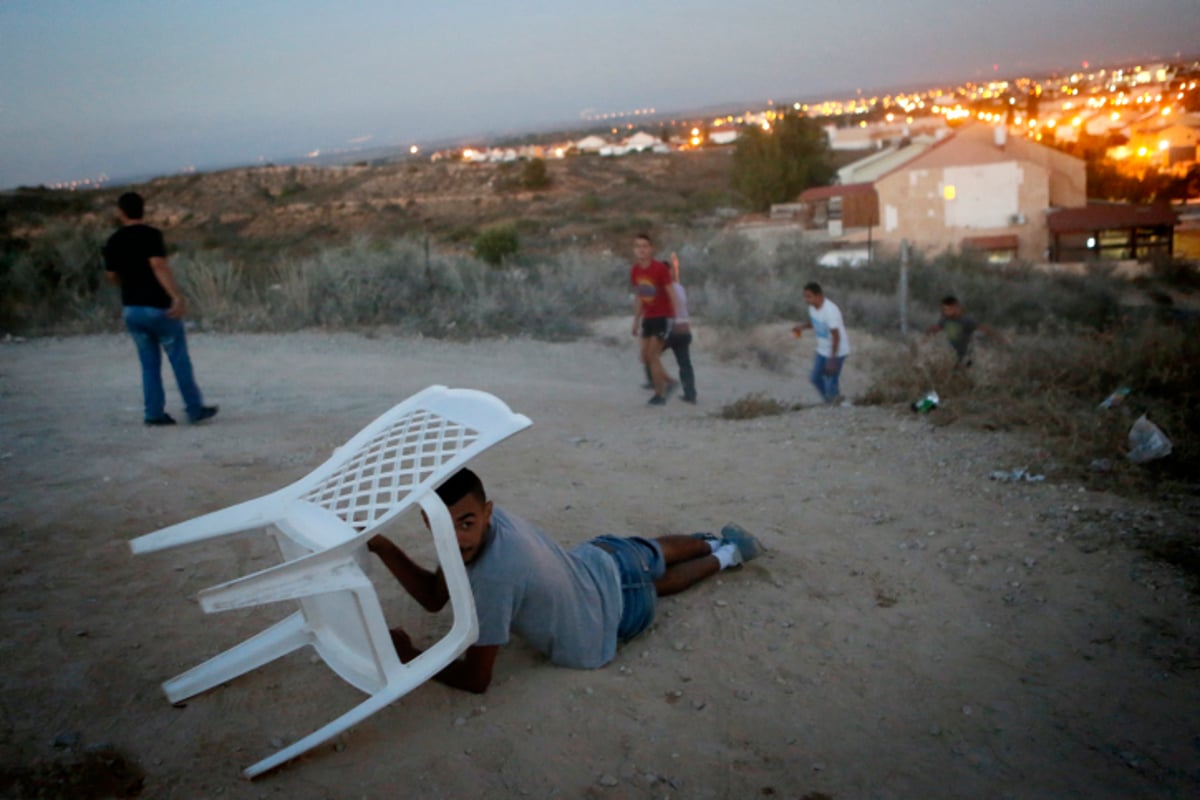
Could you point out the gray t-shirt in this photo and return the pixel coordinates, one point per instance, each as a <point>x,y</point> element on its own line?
<point>959,331</point>
<point>565,603</point>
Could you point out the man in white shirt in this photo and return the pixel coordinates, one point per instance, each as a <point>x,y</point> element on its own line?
<point>825,319</point>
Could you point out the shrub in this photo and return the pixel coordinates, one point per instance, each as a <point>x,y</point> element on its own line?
<point>212,285</point>
<point>496,244</point>
<point>1015,296</point>
<point>1177,273</point>
<point>392,284</point>
<point>55,278</point>
<point>590,203</point>
<point>534,175</point>
<point>751,406</point>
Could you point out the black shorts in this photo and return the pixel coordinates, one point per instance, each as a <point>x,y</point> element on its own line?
<point>656,328</point>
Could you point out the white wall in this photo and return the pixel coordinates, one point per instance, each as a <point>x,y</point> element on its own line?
<point>985,195</point>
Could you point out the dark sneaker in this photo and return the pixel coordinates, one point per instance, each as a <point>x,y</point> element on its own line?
<point>206,412</point>
<point>657,400</point>
<point>165,419</point>
<point>689,399</point>
<point>748,547</point>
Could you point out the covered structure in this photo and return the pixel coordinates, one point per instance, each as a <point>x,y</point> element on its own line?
<point>998,248</point>
<point>1113,232</point>
<point>854,205</point>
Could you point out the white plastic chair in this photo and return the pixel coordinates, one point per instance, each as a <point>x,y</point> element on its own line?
<point>321,524</point>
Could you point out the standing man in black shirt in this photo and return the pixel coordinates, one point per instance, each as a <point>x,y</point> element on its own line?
<point>135,259</point>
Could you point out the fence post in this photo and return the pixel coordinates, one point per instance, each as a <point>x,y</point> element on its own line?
<point>903,289</point>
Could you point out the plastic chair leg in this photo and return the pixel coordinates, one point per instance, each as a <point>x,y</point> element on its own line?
<point>290,633</point>
<point>325,733</point>
<point>241,517</point>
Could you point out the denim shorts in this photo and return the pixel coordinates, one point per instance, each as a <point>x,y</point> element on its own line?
<point>640,562</point>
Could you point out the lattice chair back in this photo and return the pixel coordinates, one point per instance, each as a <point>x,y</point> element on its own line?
<point>375,481</point>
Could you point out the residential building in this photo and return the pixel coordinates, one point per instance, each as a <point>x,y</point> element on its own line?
<point>1112,231</point>
<point>874,135</point>
<point>881,162</point>
<point>980,188</point>
<point>591,144</point>
<point>724,136</point>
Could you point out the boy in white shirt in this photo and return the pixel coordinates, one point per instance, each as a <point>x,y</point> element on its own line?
<point>825,319</point>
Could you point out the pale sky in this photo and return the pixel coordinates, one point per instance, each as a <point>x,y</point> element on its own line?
<point>141,87</point>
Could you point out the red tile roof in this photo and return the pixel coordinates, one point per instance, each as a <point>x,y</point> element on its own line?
<point>1109,217</point>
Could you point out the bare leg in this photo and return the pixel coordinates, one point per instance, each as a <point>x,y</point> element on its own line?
<point>652,348</point>
<point>689,561</point>
<point>677,548</point>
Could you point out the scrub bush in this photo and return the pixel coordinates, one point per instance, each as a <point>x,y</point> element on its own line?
<point>497,244</point>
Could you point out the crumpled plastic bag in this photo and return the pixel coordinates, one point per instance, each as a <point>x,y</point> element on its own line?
<point>1147,442</point>
<point>1016,476</point>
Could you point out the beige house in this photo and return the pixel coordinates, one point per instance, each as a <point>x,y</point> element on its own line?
<point>591,144</point>
<point>1163,142</point>
<point>980,188</point>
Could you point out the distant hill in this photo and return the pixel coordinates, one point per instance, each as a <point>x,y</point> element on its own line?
<point>591,203</point>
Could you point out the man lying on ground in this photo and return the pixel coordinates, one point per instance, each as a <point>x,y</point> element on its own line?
<point>571,605</point>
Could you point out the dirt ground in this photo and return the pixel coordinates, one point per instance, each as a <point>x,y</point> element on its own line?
<point>916,630</point>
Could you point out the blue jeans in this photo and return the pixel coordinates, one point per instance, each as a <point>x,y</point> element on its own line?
<point>153,332</point>
<point>640,562</point>
<point>680,343</point>
<point>827,382</point>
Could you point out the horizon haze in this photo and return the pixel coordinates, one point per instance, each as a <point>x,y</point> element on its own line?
<point>134,88</point>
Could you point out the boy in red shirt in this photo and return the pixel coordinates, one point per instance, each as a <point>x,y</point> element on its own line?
<point>653,308</point>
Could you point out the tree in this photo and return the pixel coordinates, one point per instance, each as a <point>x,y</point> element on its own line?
<point>534,174</point>
<point>775,166</point>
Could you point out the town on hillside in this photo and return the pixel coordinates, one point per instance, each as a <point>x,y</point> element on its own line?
<point>1000,167</point>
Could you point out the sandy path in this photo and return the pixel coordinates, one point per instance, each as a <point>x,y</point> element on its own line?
<point>916,630</point>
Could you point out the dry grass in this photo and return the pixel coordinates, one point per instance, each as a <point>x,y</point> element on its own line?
<point>753,405</point>
<point>1050,387</point>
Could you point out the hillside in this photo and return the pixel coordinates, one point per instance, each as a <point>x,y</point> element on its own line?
<point>591,202</point>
